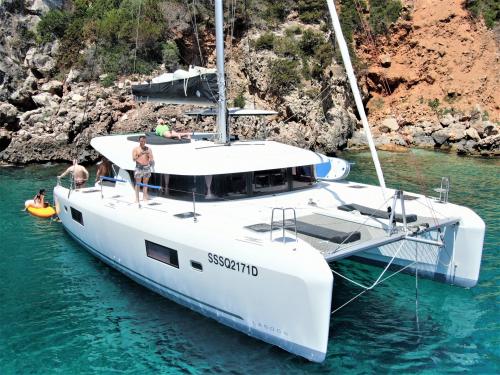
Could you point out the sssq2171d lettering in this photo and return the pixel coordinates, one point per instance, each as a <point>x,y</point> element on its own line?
<point>231,264</point>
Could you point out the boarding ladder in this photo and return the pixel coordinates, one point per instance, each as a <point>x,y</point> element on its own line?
<point>443,190</point>
<point>285,223</point>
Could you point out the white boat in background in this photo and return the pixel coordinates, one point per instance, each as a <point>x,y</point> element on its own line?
<point>244,231</point>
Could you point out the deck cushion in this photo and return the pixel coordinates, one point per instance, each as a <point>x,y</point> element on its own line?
<point>376,213</point>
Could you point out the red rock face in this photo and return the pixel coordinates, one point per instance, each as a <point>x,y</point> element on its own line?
<point>440,53</point>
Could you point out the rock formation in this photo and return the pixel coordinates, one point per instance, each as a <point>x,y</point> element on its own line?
<point>49,117</point>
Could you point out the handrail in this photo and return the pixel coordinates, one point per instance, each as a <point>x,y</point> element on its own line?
<point>111,179</point>
<point>104,178</point>
<point>149,186</point>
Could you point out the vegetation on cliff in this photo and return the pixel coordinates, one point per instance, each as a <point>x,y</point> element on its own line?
<point>488,9</point>
<point>128,36</point>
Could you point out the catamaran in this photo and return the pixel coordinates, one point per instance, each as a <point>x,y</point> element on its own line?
<point>244,231</point>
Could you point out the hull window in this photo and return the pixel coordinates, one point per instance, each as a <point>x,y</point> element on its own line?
<point>197,265</point>
<point>77,215</point>
<point>162,254</point>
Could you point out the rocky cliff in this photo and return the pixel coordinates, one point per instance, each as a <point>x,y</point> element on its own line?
<point>431,83</point>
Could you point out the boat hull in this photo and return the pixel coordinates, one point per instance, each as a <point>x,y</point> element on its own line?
<point>274,298</point>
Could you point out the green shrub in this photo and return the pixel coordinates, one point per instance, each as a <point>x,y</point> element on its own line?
<point>293,30</point>
<point>350,22</point>
<point>52,25</point>
<point>112,25</point>
<point>488,9</point>
<point>170,55</point>
<point>433,103</point>
<point>265,41</point>
<point>109,80</point>
<point>277,11</point>
<point>383,13</point>
<point>286,47</point>
<point>312,11</point>
<point>284,76</point>
<point>239,101</point>
<point>310,41</point>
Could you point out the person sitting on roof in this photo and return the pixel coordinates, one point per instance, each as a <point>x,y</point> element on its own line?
<point>164,130</point>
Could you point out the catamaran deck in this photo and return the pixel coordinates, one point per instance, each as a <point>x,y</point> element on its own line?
<point>325,224</point>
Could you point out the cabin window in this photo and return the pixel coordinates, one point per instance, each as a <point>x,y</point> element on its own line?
<point>270,181</point>
<point>302,176</point>
<point>197,265</point>
<point>232,185</point>
<point>77,215</point>
<point>162,253</point>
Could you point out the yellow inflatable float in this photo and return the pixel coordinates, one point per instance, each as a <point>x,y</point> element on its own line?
<point>45,212</point>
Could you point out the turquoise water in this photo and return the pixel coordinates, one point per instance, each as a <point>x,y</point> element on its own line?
<point>64,312</point>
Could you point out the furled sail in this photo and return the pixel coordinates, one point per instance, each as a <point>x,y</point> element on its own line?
<point>196,86</point>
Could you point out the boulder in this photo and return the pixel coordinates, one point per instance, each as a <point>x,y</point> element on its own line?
<point>8,113</point>
<point>447,120</point>
<point>473,134</point>
<point>5,139</point>
<point>40,59</point>
<point>73,76</point>
<point>390,124</point>
<point>440,136</point>
<point>423,141</point>
<point>36,6</point>
<point>46,99</point>
<point>490,145</point>
<point>465,147</point>
<point>456,132</point>
<point>385,61</point>
<point>53,87</point>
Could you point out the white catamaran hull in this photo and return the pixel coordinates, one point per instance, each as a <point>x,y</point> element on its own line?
<point>279,294</point>
<point>277,291</point>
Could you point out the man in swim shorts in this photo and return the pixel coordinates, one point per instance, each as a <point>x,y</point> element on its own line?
<point>143,157</point>
<point>79,173</point>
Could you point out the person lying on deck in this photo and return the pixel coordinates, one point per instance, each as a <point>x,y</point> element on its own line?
<point>164,130</point>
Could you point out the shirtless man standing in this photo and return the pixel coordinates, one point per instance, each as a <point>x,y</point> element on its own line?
<point>80,174</point>
<point>143,157</point>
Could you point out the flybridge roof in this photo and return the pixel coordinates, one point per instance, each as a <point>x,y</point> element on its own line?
<point>200,158</point>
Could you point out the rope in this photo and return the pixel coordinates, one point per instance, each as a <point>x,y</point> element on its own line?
<point>137,35</point>
<point>372,40</point>
<point>416,289</point>
<point>377,282</point>
<point>192,16</point>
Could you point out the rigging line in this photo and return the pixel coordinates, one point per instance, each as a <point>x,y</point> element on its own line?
<point>423,186</point>
<point>366,290</point>
<point>233,16</point>
<point>195,28</point>
<point>137,34</point>
<point>327,88</point>
<point>380,276</point>
<point>416,290</point>
<point>372,40</point>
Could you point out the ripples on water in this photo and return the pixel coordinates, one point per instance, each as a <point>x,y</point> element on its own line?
<point>63,311</point>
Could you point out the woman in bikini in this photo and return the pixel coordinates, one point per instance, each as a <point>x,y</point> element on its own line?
<point>38,200</point>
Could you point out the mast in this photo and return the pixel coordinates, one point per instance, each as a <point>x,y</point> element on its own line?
<point>219,49</point>
<point>355,91</point>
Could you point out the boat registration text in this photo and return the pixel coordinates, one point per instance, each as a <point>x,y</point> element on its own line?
<point>231,264</point>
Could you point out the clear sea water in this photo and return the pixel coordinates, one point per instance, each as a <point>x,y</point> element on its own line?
<point>64,312</point>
